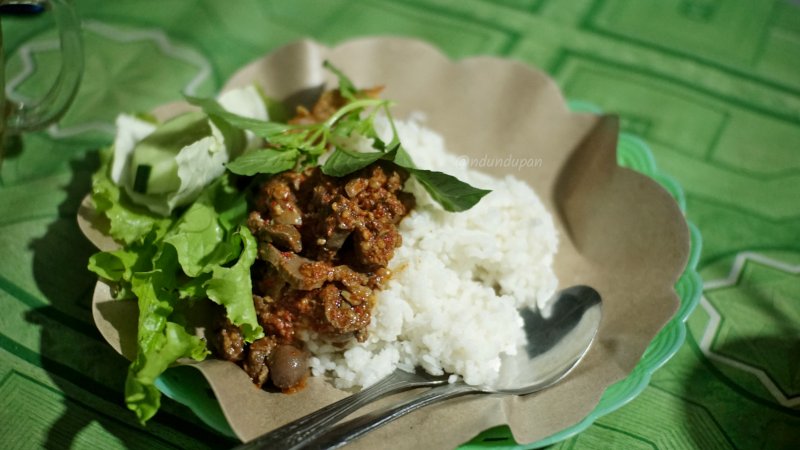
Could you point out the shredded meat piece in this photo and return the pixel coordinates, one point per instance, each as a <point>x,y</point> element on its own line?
<point>279,200</point>
<point>229,341</point>
<point>256,363</point>
<point>299,272</point>
<point>284,236</point>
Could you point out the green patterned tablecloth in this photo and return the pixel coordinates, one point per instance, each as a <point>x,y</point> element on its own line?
<point>712,85</point>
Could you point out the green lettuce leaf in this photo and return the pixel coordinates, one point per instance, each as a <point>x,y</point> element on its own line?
<point>167,346</point>
<point>159,341</point>
<point>232,288</point>
<point>172,262</point>
<point>198,239</point>
<point>118,266</point>
<point>129,223</point>
<point>193,289</point>
<point>115,265</point>
<point>229,203</point>
<point>201,236</point>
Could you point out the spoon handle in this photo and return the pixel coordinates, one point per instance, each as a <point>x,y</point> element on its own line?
<point>294,434</point>
<point>354,429</point>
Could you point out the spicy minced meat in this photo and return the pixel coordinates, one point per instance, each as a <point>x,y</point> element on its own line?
<point>324,244</point>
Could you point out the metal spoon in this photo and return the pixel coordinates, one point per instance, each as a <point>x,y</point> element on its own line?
<point>557,340</point>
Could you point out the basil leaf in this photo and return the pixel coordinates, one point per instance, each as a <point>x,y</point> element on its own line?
<point>260,128</point>
<point>346,87</point>
<point>347,125</point>
<point>402,158</point>
<point>276,110</point>
<point>453,194</point>
<point>267,161</point>
<point>377,143</point>
<point>395,136</point>
<point>343,162</point>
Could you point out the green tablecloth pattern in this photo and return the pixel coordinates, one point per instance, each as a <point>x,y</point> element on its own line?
<point>713,86</point>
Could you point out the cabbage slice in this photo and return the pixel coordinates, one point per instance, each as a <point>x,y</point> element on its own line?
<point>166,166</point>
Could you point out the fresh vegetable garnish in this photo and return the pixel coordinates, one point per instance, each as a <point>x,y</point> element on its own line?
<point>165,166</point>
<point>300,146</point>
<point>169,192</point>
<point>205,252</point>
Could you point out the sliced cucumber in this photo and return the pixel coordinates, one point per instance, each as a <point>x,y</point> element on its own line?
<point>141,178</point>
<point>154,170</point>
<point>153,166</point>
<point>179,131</point>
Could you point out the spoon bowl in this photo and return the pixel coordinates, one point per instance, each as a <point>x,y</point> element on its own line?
<point>557,339</point>
<point>560,334</point>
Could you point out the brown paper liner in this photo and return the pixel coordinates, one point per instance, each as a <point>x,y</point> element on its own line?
<point>620,232</point>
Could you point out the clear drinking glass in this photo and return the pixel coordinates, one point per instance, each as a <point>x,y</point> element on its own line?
<point>18,117</point>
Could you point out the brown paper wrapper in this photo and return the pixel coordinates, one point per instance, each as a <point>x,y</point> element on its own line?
<point>620,232</point>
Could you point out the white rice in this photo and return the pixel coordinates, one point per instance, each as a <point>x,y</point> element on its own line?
<point>459,278</point>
